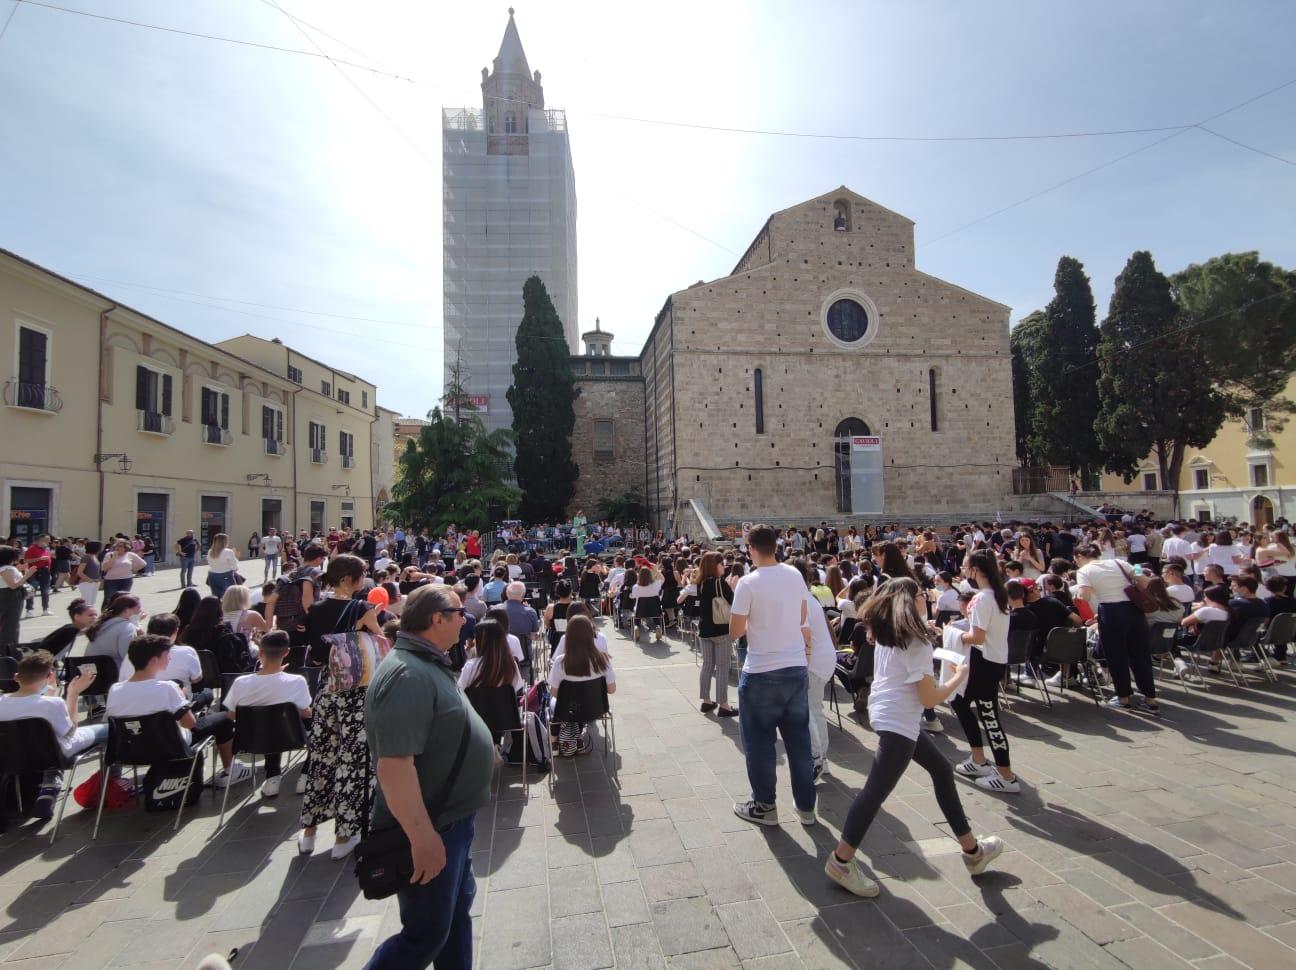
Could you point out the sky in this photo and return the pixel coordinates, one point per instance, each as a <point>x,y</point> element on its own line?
<point>227,188</point>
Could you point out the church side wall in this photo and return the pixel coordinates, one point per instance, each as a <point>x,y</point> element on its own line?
<point>620,401</point>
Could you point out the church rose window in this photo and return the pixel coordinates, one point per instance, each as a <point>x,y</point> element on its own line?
<point>848,321</point>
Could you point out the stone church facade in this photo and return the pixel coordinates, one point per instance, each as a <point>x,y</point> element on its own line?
<point>825,377</point>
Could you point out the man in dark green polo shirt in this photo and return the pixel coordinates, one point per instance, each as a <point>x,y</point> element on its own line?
<point>416,719</point>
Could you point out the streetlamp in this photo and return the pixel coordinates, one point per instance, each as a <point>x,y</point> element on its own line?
<point>123,460</point>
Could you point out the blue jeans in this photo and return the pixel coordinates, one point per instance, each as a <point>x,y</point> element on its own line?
<point>770,701</point>
<point>186,571</point>
<point>149,559</point>
<point>436,928</point>
<point>219,582</point>
<point>111,586</point>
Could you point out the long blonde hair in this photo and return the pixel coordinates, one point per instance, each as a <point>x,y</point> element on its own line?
<point>891,613</point>
<point>219,542</point>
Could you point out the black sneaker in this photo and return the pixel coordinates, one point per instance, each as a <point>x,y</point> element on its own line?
<point>43,807</point>
<point>754,811</point>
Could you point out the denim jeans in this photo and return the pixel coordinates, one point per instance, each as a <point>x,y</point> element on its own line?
<point>436,928</point>
<point>111,586</point>
<point>219,582</point>
<point>776,701</point>
<point>40,581</point>
<point>271,567</point>
<point>186,571</point>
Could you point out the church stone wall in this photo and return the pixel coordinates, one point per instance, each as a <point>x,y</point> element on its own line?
<point>620,400</point>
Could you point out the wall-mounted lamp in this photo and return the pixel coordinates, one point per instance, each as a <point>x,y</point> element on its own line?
<point>124,462</point>
<point>346,487</point>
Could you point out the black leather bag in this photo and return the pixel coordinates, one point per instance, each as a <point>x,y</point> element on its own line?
<point>384,861</point>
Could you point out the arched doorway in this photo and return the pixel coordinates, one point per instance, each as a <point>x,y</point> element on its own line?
<point>1262,511</point>
<point>846,430</point>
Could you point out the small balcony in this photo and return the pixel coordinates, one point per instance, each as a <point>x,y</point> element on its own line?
<point>214,434</point>
<point>275,447</point>
<point>152,422</point>
<point>318,456</point>
<point>348,461</point>
<point>32,396</point>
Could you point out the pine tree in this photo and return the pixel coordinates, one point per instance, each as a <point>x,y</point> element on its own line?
<point>1063,392</point>
<point>1155,388</point>
<point>1025,343</point>
<point>542,398</point>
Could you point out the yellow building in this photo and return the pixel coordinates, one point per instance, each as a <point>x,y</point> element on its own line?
<point>116,422</point>
<point>1242,474</point>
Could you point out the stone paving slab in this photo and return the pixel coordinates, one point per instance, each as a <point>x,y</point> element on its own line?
<point>1134,843</point>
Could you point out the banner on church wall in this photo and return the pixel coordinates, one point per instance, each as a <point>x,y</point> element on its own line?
<point>866,475</point>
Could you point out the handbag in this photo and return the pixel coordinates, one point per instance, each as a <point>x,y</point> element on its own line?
<point>353,656</point>
<point>721,611</point>
<point>384,860</point>
<point>1137,594</point>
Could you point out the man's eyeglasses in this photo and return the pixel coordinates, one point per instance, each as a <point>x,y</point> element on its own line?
<point>454,609</point>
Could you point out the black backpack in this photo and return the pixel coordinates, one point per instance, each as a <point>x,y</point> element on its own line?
<point>288,597</point>
<point>233,655</point>
<point>164,785</point>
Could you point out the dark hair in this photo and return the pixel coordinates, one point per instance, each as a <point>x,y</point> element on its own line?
<point>891,614</point>
<point>893,561</point>
<point>497,666</point>
<point>35,665</point>
<point>1015,590</point>
<point>1223,538</point>
<point>582,657</point>
<point>143,649</point>
<point>343,567</point>
<point>200,631</point>
<point>77,607</point>
<point>1156,588</point>
<point>118,605</point>
<point>188,602</point>
<point>985,561</point>
<point>1248,583</point>
<point>644,577</point>
<point>763,539</point>
<point>92,548</point>
<point>499,614</point>
<point>1089,550</point>
<point>1219,595</point>
<point>1277,585</point>
<point>471,582</point>
<point>276,644</point>
<point>562,588</point>
<point>313,551</point>
<point>422,605</point>
<point>164,625</point>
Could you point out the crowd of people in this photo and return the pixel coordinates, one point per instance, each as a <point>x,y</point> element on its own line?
<point>389,642</point>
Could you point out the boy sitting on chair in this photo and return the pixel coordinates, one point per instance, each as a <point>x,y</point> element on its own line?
<point>272,685</point>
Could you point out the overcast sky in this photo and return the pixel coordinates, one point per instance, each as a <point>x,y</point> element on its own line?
<point>183,175</point>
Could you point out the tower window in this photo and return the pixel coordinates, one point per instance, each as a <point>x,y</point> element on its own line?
<point>510,123</point>
<point>758,385</point>
<point>931,398</point>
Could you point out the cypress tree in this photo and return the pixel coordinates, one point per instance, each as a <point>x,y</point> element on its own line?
<point>1025,343</point>
<point>542,398</point>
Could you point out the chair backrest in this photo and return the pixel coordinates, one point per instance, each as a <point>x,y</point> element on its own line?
<point>146,739</point>
<point>1065,645</point>
<point>648,606</point>
<point>580,701</point>
<point>1019,644</point>
<point>497,706</point>
<point>211,678</point>
<point>1248,632</point>
<point>28,744</point>
<point>106,673</point>
<point>1161,637</point>
<point>846,628</point>
<point>944,616</point>
<point>1210,636</point>
<point>269,729</point>
<point>1282,629</point>
<point>8,675</point>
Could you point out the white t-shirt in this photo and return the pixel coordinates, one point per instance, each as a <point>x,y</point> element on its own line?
<point>266,690</point>
<point>893,703</point>
<point>823,653</point>
<point>599,641</point>
<point>772,598</point>
<point>182,665</point>
<point>470,671</point>
<point>135,698</point>
<point>1210,614</point>
<point>948,600</point>
<point>558,673</point>
<point>515,647</point>
<point>271,545</point>
<point>1177,546</point>
<point>1137,542</point>
<point>51,708</point>
<point>1222,556</point>
<point>985,614</point>
<point>13,574</point>
<point>226,562</point>
<point>646,592</point>
<point>1107,579</point>
<point>1181,592</point>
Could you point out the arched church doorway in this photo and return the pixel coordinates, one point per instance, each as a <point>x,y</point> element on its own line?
<point>1262,511</point>
<point>846,431</point>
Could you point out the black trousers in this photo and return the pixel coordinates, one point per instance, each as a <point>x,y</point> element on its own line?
<point>894,753</point>
<point>978,707</point>
<point>1123,630</point>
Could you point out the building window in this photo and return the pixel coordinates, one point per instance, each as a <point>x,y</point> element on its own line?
<point>364,400</point>
<point>620,368</point>
<point>1149,481</point>
<point>272,429</point>
<point>318,435</point>
<point>758,387</point>
<point>931,397</point>
<point>510,123</point>
<point>344,397</point>
<point>598,368</point>
<point>603,440</point>
<point>346,448</point>
<point>153,399</point>
<point>849,319</point>
<point>326,388</point>
<point>294,374</point>
<point>841,216</point>
<point>32,390</point>
<point>1255,420</point>
<point>1201,478</point>
<point>1260,476</point>
<point>215,408</point>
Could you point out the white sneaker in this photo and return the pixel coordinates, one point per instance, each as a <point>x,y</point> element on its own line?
<point>47,612</point>
<point>270,787</point>
<point>970,769</point>
<point>305,843</point>
<point>807,818</point>
<point>988,849</point>
<point>850,876</point>
<point>996,782</point>
<point>344,849</point>
<point>300,788</point>
<point>238,772</point>
<point>934,726</point>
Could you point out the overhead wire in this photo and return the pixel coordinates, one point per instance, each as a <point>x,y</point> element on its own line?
<point>8,20</point>
<point>1250,148</point>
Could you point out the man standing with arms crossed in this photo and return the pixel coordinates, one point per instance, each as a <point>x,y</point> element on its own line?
<point>769,607</point>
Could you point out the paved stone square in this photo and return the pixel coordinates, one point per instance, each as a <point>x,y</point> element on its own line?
<point>1134,843</point>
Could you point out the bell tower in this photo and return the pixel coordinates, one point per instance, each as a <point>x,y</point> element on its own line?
<point>509,93</point>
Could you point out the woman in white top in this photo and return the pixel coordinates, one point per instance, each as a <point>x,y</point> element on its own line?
<point>1222,552</point>
<point>222,565</point>
<point>242,619</point>
<point>902,687</point>
<point>1106,544</point>
<point>646,590</point>
<point>1122,627</point>
<point>1277,557</point>
<point>977,706</point>
<point>581,661</point>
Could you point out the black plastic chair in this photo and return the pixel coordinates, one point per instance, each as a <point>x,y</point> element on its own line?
<point>147,740</point>
<point>1069,645</point>
<point>1281,631</point>
<point>8,675</point>
<point>1210,637</point>
<point>1160,642</point>
<point>1247,637</point>
<point>1020,642</point>
<point>583,701</point>
<point>498,708</point>
<point>28,745</point>
<point>106,674</point>
<point>648,609</point>
<point>269,729</point>
<point>211,672</point>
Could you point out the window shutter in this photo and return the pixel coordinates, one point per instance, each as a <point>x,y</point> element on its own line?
<point>208,410</point>
<point>267,423</point>
<point>31,356</point>
<point>278,426</point>
<point>141,388</point>
<point>224,411</point>
<point>166,394</point>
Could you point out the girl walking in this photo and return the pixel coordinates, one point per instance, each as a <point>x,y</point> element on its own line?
<point>902,686</point>
<point>713,637</point>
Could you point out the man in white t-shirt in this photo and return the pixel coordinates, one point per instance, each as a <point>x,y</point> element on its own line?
<point>271,545</point>
<point>271,685</point>
<point>37,696</point>
<point>769,608</point>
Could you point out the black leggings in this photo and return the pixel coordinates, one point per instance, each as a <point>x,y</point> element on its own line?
<point>978,707</point>
<point>894,753</point>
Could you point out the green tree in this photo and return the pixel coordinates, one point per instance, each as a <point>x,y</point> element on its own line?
<point>542,398</point>
<point>1025,343</point>
<point>1063,394</point>
<point>624,509</point>
<point>452,472</point>
<point>1244,312</point>
<point>1156,389</point>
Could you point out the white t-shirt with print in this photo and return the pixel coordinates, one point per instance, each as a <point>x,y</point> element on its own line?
<point>893,703</point>
<point>135,698</point>
<point>985,614</point>
<point>266,690</point>
<point>772,599</point>
<point>182,665</point>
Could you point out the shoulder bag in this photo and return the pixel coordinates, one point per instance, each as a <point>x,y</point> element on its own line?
<point>1137,594</point>
<point>721,611</point>
<point>384,860</point>
<point>354,654</point>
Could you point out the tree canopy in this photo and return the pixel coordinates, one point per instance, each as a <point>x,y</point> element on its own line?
<point>542,398</point>
<point>1025,343</point>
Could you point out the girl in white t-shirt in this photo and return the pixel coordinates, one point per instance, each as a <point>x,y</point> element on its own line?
<point>903,685</point>
<point>581,661</point>
<point>494,664</point>
<point>977,706</point>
